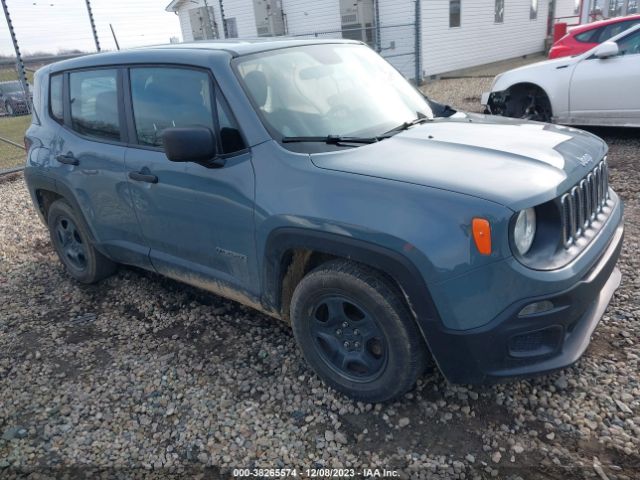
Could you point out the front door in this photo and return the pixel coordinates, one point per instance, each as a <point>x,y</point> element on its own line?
<point>607,89</point>
<point>197,220</point>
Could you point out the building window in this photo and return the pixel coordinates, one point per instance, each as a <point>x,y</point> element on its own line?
<point>533,12</point>
<point>232,27</point>
<point>203,23</point>
<point>454,13</point>
<point>499,13</point>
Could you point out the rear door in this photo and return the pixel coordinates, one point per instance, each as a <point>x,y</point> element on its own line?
<point>607,91</point>
<point>197,220</point>
<point>89,152</point>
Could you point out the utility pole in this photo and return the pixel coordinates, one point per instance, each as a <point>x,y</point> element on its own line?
<point>418,34</point>
<point>115,39</point>
<point>22,74</point>
<point>93,25</point>
<point>212,25</point>
<point>224,20</point>
<point>377,21</point>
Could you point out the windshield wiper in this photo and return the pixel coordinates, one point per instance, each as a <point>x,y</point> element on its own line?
<point>404,126</point>
<point>332,139</point>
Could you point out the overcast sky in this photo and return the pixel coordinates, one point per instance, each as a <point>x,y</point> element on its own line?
<point>56,25</point>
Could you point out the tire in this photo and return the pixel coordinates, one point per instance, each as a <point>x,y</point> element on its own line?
<point>74,247</point>
<point>356,332</point>
<point>530,104</point>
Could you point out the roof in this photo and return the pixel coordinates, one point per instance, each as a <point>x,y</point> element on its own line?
<point>173,6</point>
<point>230,48</point>
<point>246,46</point>
<point>600,23</point>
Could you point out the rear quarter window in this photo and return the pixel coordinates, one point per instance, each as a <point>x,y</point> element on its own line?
<point>588,36</point>
<point>55,98</point>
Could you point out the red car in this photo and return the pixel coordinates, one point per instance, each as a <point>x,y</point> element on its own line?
<point>585,37</point>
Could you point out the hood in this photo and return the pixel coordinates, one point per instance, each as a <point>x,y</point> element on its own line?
<point>544,64</point>
<point>515,163</point>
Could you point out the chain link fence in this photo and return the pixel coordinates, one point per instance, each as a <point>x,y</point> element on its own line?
<point>14,116</point>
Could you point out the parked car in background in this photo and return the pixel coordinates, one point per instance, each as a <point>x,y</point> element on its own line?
<point>585,37</point>
<point>599,87</point>
<point>309,180</point>
<point>13,98</point>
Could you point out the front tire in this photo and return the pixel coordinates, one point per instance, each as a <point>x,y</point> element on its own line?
<point>74,247</point>
<point>356,332</point>
<point>529,104</point>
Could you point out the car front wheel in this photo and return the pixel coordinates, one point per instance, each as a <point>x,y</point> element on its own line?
<point>73,245</point>
<point>356,332</point>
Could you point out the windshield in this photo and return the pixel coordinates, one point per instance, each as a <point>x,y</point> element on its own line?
<point>329,89</point>
<point>11,87</point>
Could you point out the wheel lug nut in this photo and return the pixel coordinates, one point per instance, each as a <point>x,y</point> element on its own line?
<point>338,332</point>
<point>345,324</point>
<point>356,332</point>
<point>356,345</point>
<point>346,344</point>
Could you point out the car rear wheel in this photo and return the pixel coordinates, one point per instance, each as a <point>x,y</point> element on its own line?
<point>74,247</point>
<point>356,332</point>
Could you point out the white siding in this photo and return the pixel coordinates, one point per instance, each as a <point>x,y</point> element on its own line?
<point>309,16</point>
<point>566,8</point>
<point>242,10</point>
<point>397,34</point>
<point>479,40</point>
<point>185,25</point>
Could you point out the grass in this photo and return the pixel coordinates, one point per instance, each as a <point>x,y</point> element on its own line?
<point>11,74</point>
<point>12,128</point>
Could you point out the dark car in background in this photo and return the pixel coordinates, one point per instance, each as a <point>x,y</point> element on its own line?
<point>13,99</point>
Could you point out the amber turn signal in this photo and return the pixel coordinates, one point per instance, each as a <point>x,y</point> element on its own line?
<point>482,235</point>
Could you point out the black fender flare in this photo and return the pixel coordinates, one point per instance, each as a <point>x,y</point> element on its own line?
<point>37,181</point>
<point>393,263</point>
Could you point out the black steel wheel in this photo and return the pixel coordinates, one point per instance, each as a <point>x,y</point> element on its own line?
<point>348,338</point>
<point>356,332</point>
<point>73,244</point>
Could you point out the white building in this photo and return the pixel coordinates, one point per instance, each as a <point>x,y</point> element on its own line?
<point>451,34</point>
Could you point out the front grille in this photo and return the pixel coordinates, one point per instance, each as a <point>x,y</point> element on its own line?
<point>582,204</point>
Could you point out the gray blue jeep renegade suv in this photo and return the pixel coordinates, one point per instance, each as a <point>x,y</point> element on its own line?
<point>309,180</point>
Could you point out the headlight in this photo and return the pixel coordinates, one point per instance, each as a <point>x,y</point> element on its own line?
<point>525,230</point>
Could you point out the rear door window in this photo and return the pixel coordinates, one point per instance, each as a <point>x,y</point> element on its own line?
<point>614,29</point>
<point>94,103</point>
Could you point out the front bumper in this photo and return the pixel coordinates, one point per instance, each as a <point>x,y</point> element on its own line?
<point>513,346</point>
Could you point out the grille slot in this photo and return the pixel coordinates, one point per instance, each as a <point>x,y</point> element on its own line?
<point>582,204</point>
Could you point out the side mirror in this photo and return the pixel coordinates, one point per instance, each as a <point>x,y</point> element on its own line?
<point>606,50</point>
<point>193,144</point>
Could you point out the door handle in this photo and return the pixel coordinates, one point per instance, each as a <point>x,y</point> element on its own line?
<point>68,159</point>
<point>143,177</point>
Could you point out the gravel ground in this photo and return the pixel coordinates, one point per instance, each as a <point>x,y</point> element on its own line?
<point>141,376</point>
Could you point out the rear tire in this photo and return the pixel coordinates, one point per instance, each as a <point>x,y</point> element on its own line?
<point>74,247</point>
<point>356,332</point>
